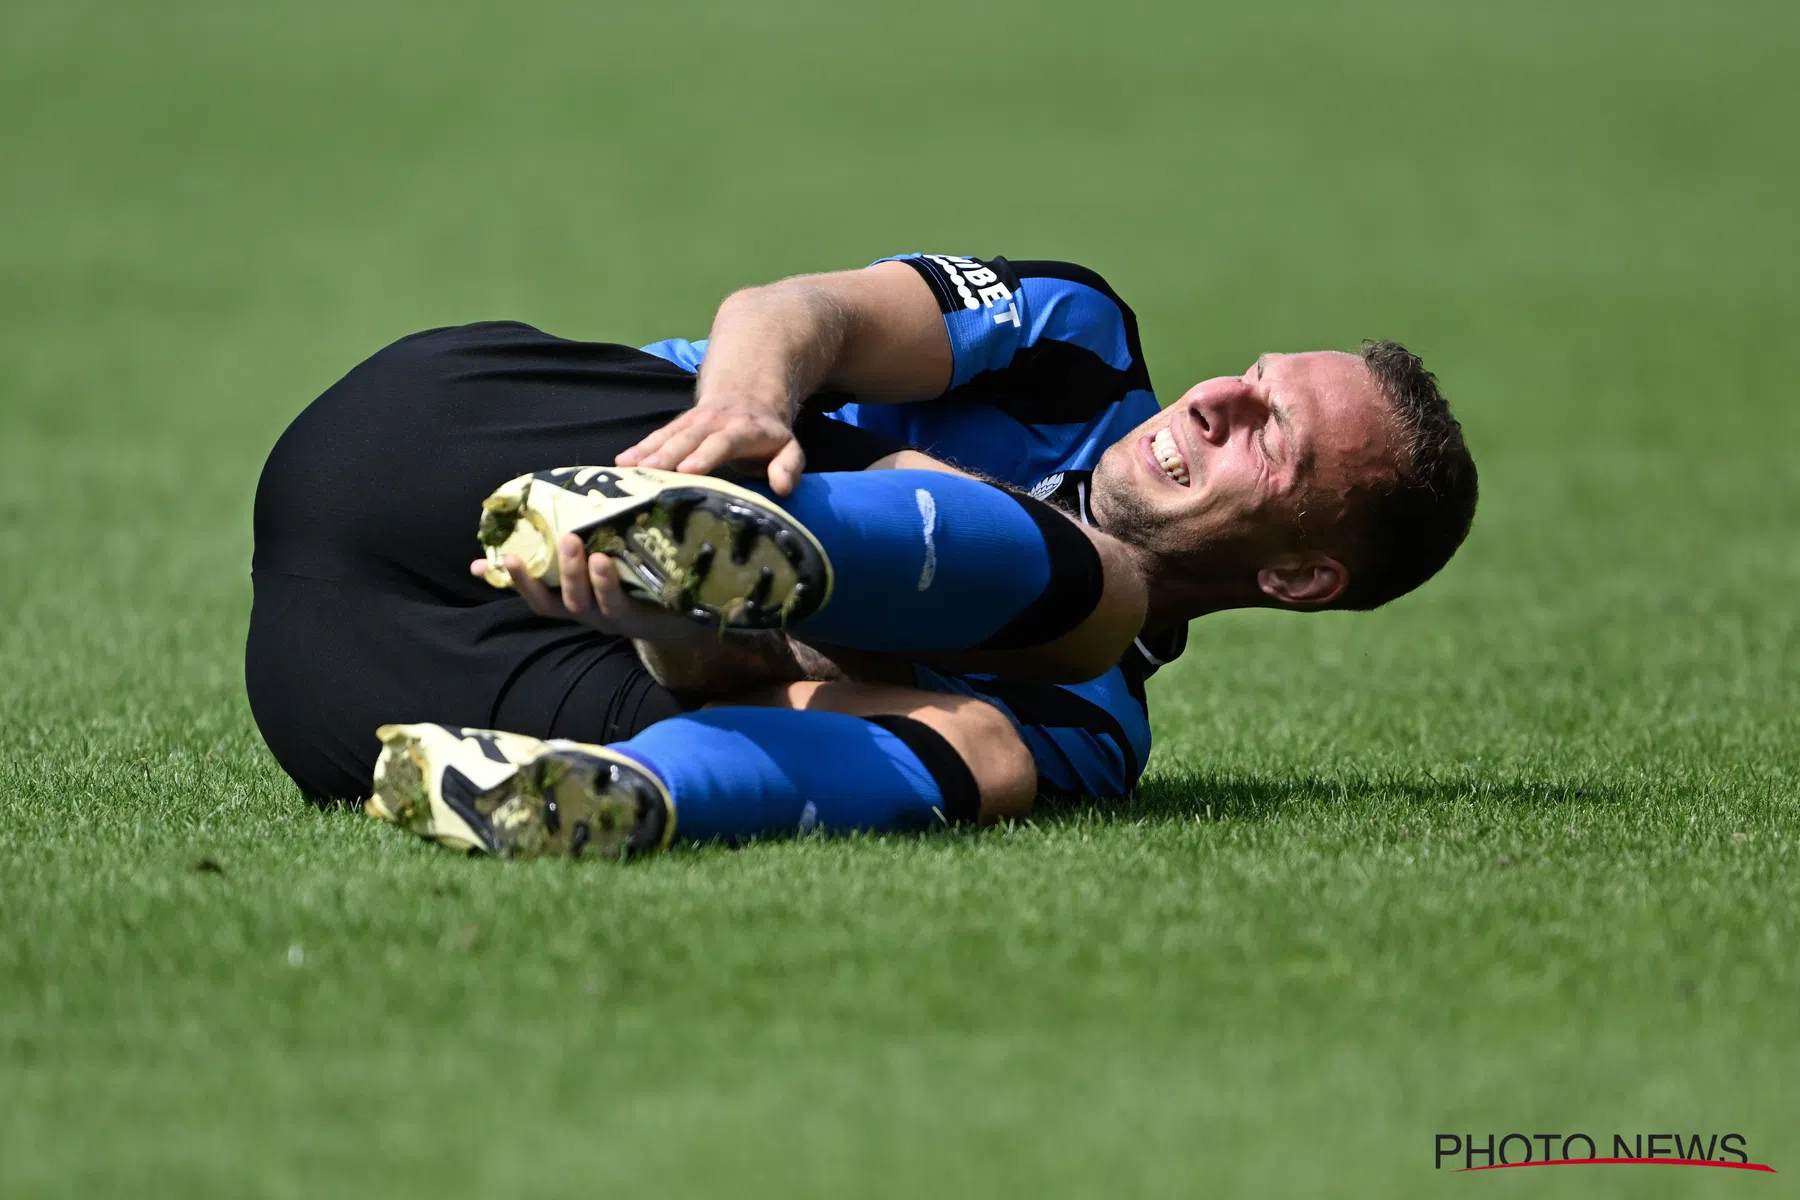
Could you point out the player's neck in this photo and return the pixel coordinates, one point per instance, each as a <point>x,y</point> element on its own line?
<point>1176,597</point>
<point>1178,602</point>
<point>1207,579</point>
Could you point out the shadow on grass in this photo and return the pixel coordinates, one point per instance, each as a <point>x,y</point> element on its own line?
<point>1184,794</point>
<point>1189,794</point>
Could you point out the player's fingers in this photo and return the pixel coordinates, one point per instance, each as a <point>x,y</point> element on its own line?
<point>680,445</point>
<point>479,568</point>
<point>785,468</point>
<point>537,596</point>
<point>718,447</point>
<point>609,596</point>
<point>571,555</point>
<point>693,424</point>
<point>652,442</point>
<point>737,441</point>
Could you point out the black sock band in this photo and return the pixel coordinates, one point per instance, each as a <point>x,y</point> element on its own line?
<point>1077,578</point>
<point>955,782</point>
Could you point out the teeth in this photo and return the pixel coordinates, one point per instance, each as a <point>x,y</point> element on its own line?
<point>1168,457</point>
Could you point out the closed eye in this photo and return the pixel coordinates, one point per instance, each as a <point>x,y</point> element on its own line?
<point>1284,420</point>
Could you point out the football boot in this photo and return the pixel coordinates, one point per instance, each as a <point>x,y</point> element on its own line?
<point>717,552</point>
<point>516,796</point>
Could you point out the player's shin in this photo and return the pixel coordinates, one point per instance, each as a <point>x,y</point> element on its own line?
<point>903,561</point>
<point>737,773</point>
<point>931,563</point>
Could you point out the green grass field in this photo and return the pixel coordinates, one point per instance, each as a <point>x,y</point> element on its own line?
<point>1516,854</point>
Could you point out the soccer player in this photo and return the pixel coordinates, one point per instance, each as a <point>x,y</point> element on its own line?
<point>1310,481</point>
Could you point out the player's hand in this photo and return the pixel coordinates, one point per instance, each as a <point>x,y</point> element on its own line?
<point>706,437</point>
<point>592,595</point>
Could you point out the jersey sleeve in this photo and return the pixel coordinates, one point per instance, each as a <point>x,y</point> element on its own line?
<point>683,353</point>
<point>1048,342</point>
<point>1088,739</point>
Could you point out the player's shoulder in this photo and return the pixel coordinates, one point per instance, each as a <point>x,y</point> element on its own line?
<point>966,283</point>
<point>1069,272</point>
<point>1049,337</point>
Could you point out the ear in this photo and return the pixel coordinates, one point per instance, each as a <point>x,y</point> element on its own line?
<point>1311,582</point>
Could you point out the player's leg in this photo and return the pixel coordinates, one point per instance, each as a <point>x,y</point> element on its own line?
<point>364,611</point>
<point>903,561</point>
<point>927,562</point>
<point>837,757</point>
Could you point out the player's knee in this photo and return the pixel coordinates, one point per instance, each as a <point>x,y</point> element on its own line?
<point>1091,608</point>
<point>1005,774</point>
<point>1094,646</point>
<point>1109,614</point>
<point>1002,769</point>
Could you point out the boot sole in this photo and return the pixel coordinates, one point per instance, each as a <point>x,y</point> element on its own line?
<point>716,552</point>
<point>570,800</point>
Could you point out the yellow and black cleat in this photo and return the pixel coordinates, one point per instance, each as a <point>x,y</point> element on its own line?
<point>516,796</point>
<point>719,553</point>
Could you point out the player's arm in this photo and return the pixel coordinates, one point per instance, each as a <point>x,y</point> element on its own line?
<point>1094,603</point>
<point>877,332</point>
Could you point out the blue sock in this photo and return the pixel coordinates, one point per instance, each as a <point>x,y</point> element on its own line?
<point>736,773</point>
<point>926,562</point>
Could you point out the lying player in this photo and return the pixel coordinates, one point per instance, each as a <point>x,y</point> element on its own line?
<point>1311,481</point>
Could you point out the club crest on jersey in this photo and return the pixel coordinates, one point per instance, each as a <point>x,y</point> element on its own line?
<point>979,286</point>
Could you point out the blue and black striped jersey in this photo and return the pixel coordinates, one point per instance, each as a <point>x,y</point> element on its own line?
<point>1048,373</point>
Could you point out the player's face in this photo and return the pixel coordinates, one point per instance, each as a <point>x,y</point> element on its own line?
<point>1242,461</point>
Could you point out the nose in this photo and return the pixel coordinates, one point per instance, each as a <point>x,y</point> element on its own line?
<point>1219,406</point>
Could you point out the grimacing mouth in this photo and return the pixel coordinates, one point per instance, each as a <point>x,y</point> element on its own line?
<point>1167,453</point>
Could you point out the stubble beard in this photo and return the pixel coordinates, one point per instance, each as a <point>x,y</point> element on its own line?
<point>1155,535</point>
<point>1123,513</point>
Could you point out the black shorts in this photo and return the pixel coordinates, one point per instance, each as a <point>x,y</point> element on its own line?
<point>365,612</point>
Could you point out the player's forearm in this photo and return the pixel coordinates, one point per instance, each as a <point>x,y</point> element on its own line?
<point>773,346</point>
<point>876,332</point>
